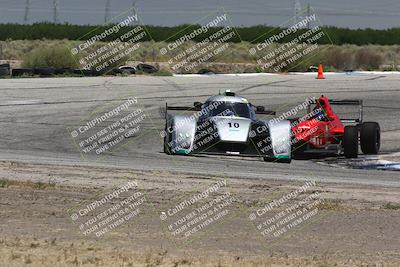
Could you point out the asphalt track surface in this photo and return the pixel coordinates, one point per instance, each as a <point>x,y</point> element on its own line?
<point>35,114</point>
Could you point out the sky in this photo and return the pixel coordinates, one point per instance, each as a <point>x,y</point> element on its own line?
<point>342,13</point>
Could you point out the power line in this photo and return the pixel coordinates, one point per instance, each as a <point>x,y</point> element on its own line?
<point>353,13</point>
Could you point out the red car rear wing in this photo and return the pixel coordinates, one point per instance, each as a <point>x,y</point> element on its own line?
<point>346,102</point>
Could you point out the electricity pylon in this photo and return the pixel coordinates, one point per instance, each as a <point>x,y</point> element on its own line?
<point>55,11</point>
<point>27,6</point>
<point>107,15</point>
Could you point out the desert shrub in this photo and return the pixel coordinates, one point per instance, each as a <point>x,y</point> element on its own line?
<point>337,57</point>
<point>340,59</point>
<point>52,56</point>
<point>312,59</point>
<point>4,183</point>
<point>392,206</point>
<point>368,59</point>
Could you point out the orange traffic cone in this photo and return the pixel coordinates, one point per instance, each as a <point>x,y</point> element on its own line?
<point>320,72</point>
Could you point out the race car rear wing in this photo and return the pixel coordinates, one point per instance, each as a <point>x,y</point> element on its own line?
<point>266,112</point>
<point>261,110</point>
<point>346,102</point>
<point>187,108</point>
<point>197,107</point>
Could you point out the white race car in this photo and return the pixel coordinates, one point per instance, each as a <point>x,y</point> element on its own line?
<point>226,125</point>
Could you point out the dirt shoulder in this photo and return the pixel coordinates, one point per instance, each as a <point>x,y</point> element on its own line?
<point>336,225</point>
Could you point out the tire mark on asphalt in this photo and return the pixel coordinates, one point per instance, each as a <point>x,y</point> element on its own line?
<point>375,78</point>
<point>63,102</point>
<point>260,85</point>
<point>172,83</point>
<point>330,91</point>
<point>53,88</point>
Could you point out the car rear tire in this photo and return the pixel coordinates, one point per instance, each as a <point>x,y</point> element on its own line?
<point>370,138</point>
<point>350,142</point>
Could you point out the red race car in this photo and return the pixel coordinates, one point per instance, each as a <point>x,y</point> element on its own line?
<point>322,131</point>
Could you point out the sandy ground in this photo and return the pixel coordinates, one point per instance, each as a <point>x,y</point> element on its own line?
<point>354,225</point>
